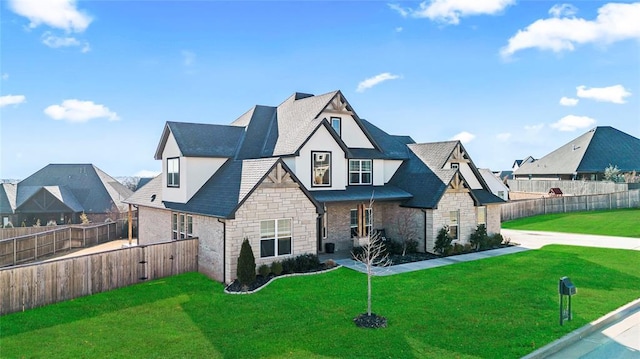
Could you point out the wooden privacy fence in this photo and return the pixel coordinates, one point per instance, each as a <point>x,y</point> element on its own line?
<point>31,247</point>
<point>30,286</point>
<point>23,231</point>
<point>533,207</point>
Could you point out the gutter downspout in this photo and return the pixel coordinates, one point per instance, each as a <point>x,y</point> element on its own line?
<point>224,251</point>
<point>425,229</point>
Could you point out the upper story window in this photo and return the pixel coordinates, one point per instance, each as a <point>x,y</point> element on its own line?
<point>455,166</point>
<point>320,169</point>
<point>360,172</point>
<point>173,172</point>
<point>336,123</point>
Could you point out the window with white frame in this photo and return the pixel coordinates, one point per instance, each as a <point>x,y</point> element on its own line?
<point>454,219</point>
<point>482,215</point>
<point>321,169</point>
<point>275,237</point>
<point>173,172</point>
<point>454,166</point>
<point>181,225</point>
<point>336,123</point>
<point>360,172</point>
<point>361,226</point>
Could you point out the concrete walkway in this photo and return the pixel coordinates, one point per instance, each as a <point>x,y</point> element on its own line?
<point>107,246</point>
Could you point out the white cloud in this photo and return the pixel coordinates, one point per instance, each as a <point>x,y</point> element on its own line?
<point>55,42</point>
<point>464,137</point>
<point>615,22</point>
<point>12,100</point>
<point>146,174</point>
<point>372,81</point>
<point>450,11</point>
<point>568,101</point>
<point>5,76</point>
<point>572,122</point>
<point>563,10</point>
<point>79,111</point>
<point>60,14</point>
<point>399,29</point>
<point>614,94</point>
<point>503,136</point>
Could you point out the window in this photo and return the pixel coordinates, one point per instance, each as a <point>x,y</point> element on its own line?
<point>181,226</point>
<point>321,169</point>
<point>275,237</point>
<point>362,227</point>
<point>454,166</point>
<point>336,124</point>
<point>454,218</point>
<point>173,172</point>
<point>501,194</point>
<point>360,171</point>
<point>482,215</point>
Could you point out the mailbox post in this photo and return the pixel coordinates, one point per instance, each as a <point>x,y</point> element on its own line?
<point>566,289</point>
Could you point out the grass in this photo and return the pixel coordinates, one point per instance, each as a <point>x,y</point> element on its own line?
<point>623,223</point>
<point>501,307</point>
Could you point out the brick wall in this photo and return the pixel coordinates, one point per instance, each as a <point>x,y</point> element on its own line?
<point>154,225</point>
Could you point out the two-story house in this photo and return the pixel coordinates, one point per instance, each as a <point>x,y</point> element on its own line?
<point>294,177</point>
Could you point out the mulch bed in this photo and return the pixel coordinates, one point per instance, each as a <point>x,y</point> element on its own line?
<point>236,287</point>
<point>370,321</point>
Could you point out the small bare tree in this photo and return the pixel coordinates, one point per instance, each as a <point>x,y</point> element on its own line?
<point>372,255</point>
<point>407,229</point>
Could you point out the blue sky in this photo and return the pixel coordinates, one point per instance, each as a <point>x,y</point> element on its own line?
<point>95,81</point>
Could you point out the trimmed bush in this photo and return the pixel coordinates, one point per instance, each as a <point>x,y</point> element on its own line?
<point>443,241</point>
<point>495,240</point>
<point>479,239</point>
<point>264,270</point>
<point>276,268</point>
<point>246,270</point>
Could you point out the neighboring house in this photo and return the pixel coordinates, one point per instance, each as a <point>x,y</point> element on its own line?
<point>496,185</point>
<point>295,177</point>
<point>586,157</point>
<point>518,163</point>
<point>60,193</point>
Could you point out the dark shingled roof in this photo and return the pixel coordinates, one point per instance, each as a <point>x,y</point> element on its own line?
<point>362,193</point>
<point>230,186</point>
<point>206,140</point>
<point>591,152</point>
<point>391,147</point>
<point>261,134</point>
<point>485,197</point>
<point>415,177</point>
<point>82,187</point>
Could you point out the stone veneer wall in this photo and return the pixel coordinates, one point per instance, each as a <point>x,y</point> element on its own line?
<point>154,225</point>
<point>493,218</point>
<point>268,202</point>
<point>452,201</point>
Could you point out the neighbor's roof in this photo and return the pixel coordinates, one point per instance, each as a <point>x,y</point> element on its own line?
<point>592,152</point>
<point>8,192</point>
<point>82,186</point>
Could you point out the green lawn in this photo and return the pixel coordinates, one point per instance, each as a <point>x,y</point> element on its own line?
<point>502,307</point>
<point>624,223</point>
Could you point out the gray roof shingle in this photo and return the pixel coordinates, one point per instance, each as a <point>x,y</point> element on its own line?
<point>8,192</point>
<point>363,193</point>
<point>591,152</point>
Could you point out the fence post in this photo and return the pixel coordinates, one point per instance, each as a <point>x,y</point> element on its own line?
<point>15,252</point>
<point>36,247</point>
<point>84,236</point>
<point>54,242</point>
<point>564,205</point>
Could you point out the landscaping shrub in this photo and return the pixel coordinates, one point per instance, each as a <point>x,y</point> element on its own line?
<point>443,241</point>
<point>276,268</point>
<point>246,271</point>
<point>264,270</point>
<point>392,247</point>
<point>306,263</point>
<point>479,238</point>
<point>495,240</point>
<point>412,246</point>
<point>288,265</point>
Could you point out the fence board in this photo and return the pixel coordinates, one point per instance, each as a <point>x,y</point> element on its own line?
<point>528,208</point>
<point>29,286</point>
